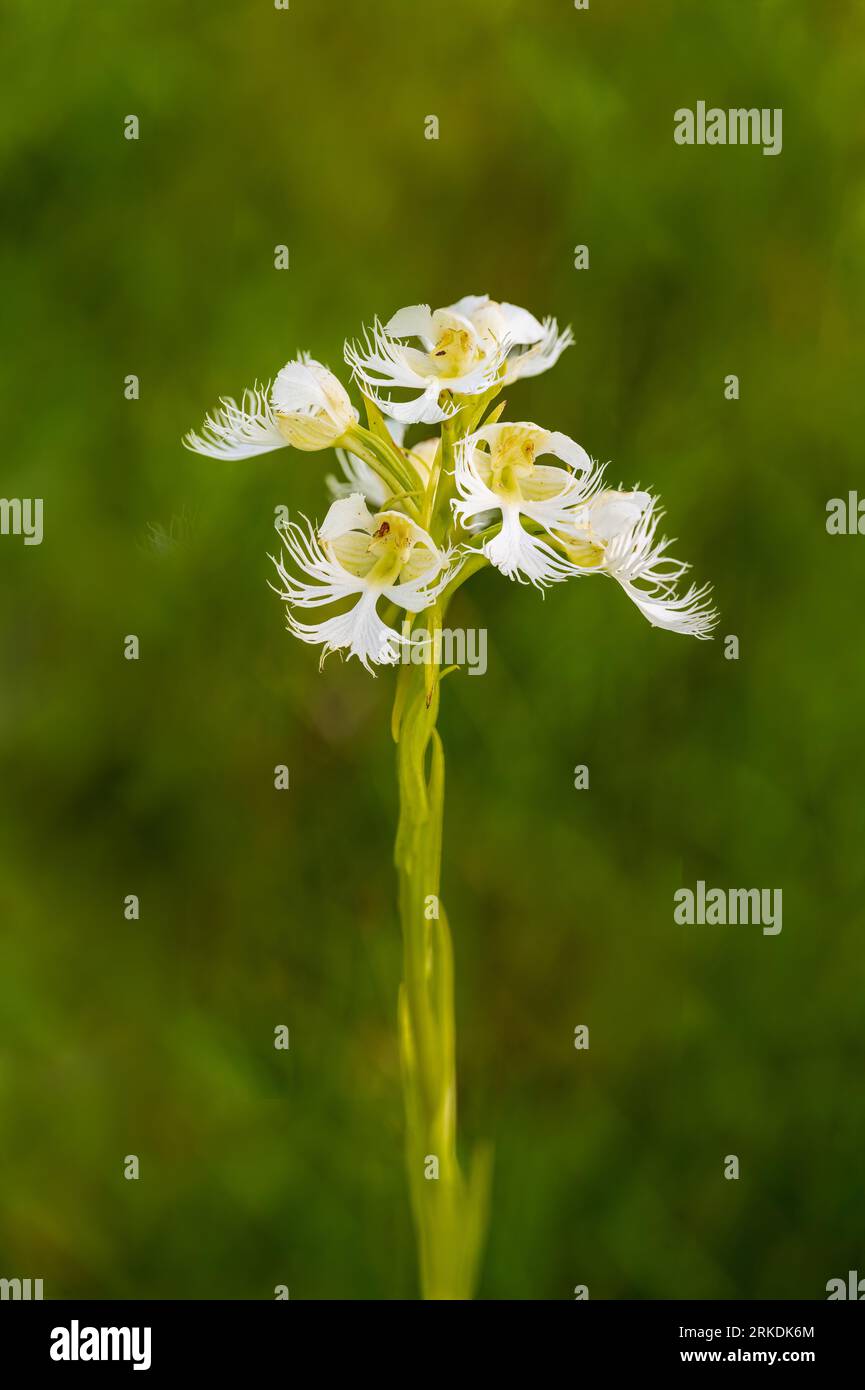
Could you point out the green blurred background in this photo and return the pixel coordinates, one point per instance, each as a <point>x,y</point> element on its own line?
<point>305,127</point>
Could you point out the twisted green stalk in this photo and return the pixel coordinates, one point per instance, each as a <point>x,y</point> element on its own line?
<point>450,1212</point>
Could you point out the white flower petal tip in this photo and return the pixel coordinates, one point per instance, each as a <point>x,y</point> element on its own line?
<point>496,473</point>
<point>525,558</point>
<point>691,613</point>
<point>615,533</point>
<point>306,406</point>
<point>361,556</point>
<point>239,431</point>
<point>542,354</point>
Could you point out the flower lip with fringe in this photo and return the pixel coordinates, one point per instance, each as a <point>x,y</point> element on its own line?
<point>365,556</point>
<point>306,406</point>
<point>615,533</point>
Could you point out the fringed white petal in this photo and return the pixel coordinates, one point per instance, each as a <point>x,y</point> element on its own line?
<point>691,613</point>
<point>425,409</point>
<point>648,574</point>
<point>475,495</point>
<point>525,558</point>
<point>541,355</point>
<point>553,513</point>
<point>330,580</point>
<point>359,631</point>
<point>553,495</point>
<point>239,431</point>
<point>381,361</point>
<point>637,554</point>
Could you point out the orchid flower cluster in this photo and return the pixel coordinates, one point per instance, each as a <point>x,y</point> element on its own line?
<point>410,521</point>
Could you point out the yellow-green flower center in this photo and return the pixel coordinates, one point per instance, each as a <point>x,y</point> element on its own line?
<point>455,352</point>
<point>512,457</point>
<point>391,545</point>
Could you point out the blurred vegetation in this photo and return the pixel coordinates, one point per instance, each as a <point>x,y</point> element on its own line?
<point>154,1037</point>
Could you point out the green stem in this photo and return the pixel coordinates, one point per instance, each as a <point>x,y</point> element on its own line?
<point>449,1211</point>
<point>399,476</point>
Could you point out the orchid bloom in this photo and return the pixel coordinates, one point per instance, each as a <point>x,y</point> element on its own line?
<point>307,406</point>
<point>465,349</point>
<point>615,533</point>
<point>535,346</point>
<point>496,474</point>
<point>453,357</point>
<point>365,556</point>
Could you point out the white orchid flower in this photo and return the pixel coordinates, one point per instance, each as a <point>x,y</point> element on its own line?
<point>364,556</point>
<point>307,406</point>
<point>496,473</point>
<point>535,345</point>
<point>615,533</point>
<point>358,476</point>
<point>454,356</point>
